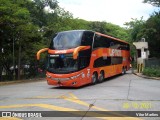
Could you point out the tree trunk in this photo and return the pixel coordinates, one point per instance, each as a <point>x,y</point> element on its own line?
<point>1,52</point>
<point>1,68</point>
<point>19,62</point>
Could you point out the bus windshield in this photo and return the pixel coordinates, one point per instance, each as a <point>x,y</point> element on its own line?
<point>66,40</point>
<point>61,64</point>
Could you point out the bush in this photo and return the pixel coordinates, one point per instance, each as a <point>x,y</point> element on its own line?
<point>152,72</point>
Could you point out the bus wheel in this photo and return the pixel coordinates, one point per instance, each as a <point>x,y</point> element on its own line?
<point>101,76</point>
<point>94,78</point>
<point>123,70</point>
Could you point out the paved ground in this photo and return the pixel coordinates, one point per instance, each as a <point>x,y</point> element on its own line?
<point>121,93</point>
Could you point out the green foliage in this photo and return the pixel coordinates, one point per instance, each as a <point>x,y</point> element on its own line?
<point>135,28</point>
<point>109,29</point>
<point>98,26</point>
<point>27,26</point>
<point>18,31</point>
<point>152,34</point>
<point>150,30</point>
<point>153,2</point>
<point>152,72</point>
<point>117,31</point>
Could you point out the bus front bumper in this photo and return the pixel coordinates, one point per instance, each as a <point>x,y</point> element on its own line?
<point>73,81</point>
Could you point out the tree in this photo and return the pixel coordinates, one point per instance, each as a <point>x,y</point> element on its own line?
<point>152,34</point>
<point>16,31</point>
<point>26,26</point>
<point>98,26</point>
<point>109,29</point>
<point>10,14</point>
<point>135,28</point>
<point>37,10</point>
<point>153,2</point>
<point>116,31</point>
<point>150,30</point>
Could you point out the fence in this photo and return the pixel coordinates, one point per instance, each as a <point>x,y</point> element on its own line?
<point>152,62</point>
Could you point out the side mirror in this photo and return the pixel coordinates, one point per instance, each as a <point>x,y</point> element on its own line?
<point>41,51</point>
<point>76,51</point>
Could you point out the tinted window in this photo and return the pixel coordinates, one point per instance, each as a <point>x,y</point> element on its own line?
<point>115,44</point>
<point>116,60</point>
<point>63,63</point>
<point>100,62</point>
<point>97,42</point>
<point>84,58</point>
<point>87,38</point>
<point>101,41</point>
<point>124,46</point>
<point>84,62</point>
<point>66,40</point>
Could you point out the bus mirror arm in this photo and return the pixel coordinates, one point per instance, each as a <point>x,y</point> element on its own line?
<point>41,51</point>
<point>76,51</point>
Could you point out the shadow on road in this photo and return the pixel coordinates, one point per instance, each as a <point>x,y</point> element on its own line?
<point>85,86</point>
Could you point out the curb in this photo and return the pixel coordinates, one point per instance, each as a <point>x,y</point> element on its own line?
<point>147,77</point>
<point>21,81</point>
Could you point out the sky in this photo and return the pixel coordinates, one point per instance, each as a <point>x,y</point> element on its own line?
<point>114,11</point>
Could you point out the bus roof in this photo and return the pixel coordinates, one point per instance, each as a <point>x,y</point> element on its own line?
<point>99,34</point>
<point>111,37</point>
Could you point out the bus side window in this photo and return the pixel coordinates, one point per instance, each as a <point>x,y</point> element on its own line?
<point>84,62</point>
<point>97,42</point>
<point>87,38</point>
<point>111,44</point>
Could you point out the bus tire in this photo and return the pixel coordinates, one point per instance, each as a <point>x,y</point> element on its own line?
<point>123,70</point>
<point>101,77</point>
<point>94,78</point>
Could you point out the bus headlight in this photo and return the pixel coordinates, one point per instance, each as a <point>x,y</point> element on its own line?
<point>73,77</point>
<point>83,75</point>
<point>76,76</point>
<point>48,76</point>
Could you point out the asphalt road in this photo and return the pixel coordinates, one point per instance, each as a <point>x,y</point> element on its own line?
<point>121,93</point>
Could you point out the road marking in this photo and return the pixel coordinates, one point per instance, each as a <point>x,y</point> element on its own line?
<point>42,97</point>
<point>9,118</point>
<point>69,110</point>
<point>57,108</point>
<point>72,98</point>
<point>52,107</point>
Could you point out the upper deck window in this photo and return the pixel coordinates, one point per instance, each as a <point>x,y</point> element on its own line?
<point>66,40</point>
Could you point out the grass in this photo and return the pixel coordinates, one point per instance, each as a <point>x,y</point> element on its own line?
<point>152,72</point>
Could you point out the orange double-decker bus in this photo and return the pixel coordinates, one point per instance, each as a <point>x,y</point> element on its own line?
<point>80,57</point>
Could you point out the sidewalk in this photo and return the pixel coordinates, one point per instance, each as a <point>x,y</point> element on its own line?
<point>21,81</point>
<point>144,76</point>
